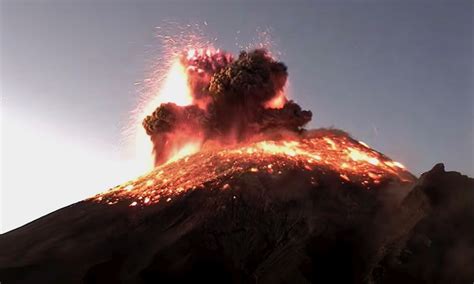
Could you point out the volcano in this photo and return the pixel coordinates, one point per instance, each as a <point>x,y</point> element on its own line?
<point>316,208</point>
<point>241,192</point>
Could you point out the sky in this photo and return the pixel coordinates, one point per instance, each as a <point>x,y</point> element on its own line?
<point>397,75</point>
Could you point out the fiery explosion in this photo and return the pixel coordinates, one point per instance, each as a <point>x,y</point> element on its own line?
<point>215,117</point>
<point>227,100</point>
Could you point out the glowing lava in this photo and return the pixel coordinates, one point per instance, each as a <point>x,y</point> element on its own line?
<point>319,153</point>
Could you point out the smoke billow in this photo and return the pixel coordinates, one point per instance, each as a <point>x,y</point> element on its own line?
<point>233,100</point>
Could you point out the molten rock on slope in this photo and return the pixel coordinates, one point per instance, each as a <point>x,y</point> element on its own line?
<point>322,151</point>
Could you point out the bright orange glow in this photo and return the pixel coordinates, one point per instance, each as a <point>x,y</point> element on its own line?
<point>394,164</point>
<point>357,155</point>
<point>174,89</point>
<point>278,102</point>
<point>354,163</point>
<point>364,144</point>
<point>186,150</point>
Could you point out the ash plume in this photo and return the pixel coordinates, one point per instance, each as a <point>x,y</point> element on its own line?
<point>232,101</point>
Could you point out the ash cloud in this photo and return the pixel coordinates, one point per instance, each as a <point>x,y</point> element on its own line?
<point>230,102</point>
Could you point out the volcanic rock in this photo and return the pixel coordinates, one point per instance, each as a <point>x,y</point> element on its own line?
<point>440,247</point>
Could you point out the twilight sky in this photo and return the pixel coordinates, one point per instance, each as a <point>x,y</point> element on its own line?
<point>397,75</point>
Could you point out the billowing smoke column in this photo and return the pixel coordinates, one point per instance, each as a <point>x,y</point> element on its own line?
<point>233,100</point>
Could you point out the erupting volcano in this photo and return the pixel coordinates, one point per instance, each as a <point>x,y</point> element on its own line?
<point>220,100</point>
<point>242,192</point>
<point>235,112</point>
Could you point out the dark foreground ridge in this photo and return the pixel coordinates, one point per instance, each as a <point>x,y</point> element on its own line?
<point>265,229</point>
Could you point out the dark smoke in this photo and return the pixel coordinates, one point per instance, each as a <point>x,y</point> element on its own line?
<point>229,102</point>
